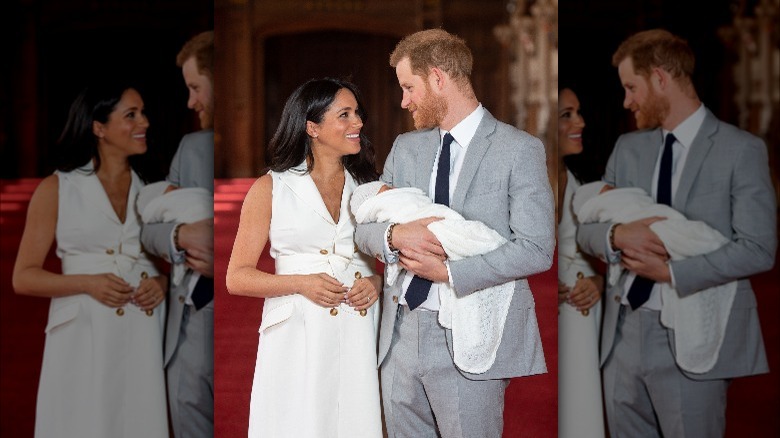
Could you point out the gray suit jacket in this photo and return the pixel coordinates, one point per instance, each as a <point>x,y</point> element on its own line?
<point>192,166</point>
<point>503,183</point>
<point>725,183</point>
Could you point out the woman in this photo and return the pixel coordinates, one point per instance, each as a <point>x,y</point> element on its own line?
<point>102,372</point>
<point>579,291</point>
<point>316,373</point>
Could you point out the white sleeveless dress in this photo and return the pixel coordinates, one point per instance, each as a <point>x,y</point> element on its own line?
<point>316,372</point>
<point>579,377</point>
<point>102,373</point>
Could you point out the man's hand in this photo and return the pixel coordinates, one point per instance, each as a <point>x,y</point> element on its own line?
<point>647,265</point>
<point>197,239</point>
<point>415,237</point>
<point>643,253</point>
<point>427,266</point>
<point>637,237</point>
<point>201,261</point>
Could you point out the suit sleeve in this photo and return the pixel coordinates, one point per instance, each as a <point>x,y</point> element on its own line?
<point>753,223</point>
<point>592,237</point>
<point>531,240</point>
<point>156,237</point>
<point>370,238</point>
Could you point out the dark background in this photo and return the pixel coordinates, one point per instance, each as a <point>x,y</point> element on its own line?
<point>58,47</point>
<point>591,31</point>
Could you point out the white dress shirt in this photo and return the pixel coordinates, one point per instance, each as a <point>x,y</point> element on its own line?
<point>462,133</point>
<point>684,134</point>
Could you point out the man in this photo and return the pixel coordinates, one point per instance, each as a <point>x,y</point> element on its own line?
<point>709,171</point>
<point>490,172</point>
<point>189,335</point>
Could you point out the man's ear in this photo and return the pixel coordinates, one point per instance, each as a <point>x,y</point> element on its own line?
<point>659,78</point>
<point>437,78</point>
<point>98,129</point>
<point>312,129</point>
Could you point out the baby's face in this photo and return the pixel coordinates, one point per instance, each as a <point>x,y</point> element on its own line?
<point>170,188</point>
<point>383,189</point>
<point>606,188</point>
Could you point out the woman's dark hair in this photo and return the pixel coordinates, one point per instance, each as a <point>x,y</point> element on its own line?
<point>291,145</point>
<point>78,144</point>
<point>583,165</point>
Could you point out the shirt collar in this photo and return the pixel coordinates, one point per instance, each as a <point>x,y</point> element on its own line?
<point>686,131</point>
<point>464,131</point>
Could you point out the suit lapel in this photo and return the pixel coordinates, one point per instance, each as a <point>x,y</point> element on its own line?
<point>699,149</point>
<point>648,153</point>
<point>426,155</point>
<point>474,153</point>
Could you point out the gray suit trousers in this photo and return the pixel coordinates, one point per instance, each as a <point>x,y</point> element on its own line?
<point>646,394</point>
<point>191,378</point>
<point>422,391</point>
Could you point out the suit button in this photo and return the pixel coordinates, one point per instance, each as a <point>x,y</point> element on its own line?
<point>580,276</point>
<point>617,298</point>
<point>323,251</point>
<point>109,251</point>
<point>358,275</point>
<point>395,299</point>
<point>363,312</point>
<point>149,312</point>
<point>144,275</point>
<point>181,299</point>
<point>120,311</point>
<point>334,311</point>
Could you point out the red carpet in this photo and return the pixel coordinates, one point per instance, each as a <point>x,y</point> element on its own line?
<point>753,402</point>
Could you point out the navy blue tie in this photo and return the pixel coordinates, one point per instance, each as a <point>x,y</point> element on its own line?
<point>418,289</point>
<point>640,289</point>
<point>203,292</point>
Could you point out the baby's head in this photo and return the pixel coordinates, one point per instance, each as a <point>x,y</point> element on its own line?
<point>588,191</point>
<point>152,191</point>
<point>365,191</point>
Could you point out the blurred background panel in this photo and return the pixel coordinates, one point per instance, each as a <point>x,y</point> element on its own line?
<point>737,76</point>
<point>52,49</point>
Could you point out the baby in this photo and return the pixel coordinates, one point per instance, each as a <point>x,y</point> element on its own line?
<point>164,202</point>
<point>476,320</point>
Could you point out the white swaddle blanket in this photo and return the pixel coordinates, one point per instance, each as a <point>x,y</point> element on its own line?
<point>476,320</point>
<point>183,205</point>
<point>698,320</point>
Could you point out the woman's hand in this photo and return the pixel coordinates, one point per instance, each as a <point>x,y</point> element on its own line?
<point>150,292</point>
<point>364,292</point>
<point>563,293</point>
<point>323,290</point>
<point>586,292</point>
<point>108,289</point>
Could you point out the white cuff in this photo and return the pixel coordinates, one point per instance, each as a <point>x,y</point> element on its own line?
<point>449,274</point>
<point>671,274</point>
